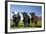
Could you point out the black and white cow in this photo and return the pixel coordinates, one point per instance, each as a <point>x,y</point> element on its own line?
<point>26,19</point>
<point>16,19</point>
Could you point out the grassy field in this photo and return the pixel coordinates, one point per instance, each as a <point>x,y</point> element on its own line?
<point>21,25</point>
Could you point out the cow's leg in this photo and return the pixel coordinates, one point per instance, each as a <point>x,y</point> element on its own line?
<point>36,23</point>
<point>28,23</point>
<point>24,24</point>
<point>16,24</point>
<point>32,22</point>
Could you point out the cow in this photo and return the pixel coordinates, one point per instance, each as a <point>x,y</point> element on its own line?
<point>16,19</point>
<point>34,18</point>
<point>26,19</point>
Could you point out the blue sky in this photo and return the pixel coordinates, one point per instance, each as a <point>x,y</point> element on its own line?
<point>27,9</point>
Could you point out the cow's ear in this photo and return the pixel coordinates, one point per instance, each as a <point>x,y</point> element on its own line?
<point>29,13</point>
<point>21,13</point>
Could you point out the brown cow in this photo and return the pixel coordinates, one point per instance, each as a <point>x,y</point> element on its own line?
<point>34,18</point>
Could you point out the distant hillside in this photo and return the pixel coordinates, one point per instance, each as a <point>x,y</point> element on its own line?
<point>40,18</point>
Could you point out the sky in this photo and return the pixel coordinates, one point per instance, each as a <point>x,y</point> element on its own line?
<point>26,8</point>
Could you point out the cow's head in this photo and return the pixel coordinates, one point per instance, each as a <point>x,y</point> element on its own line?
<point>24,14</point>
<point>32,14</point>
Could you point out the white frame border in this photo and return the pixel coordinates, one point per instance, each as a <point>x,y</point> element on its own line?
<point>29,29</point>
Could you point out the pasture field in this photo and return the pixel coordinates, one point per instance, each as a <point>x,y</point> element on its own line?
<point>21,25</point>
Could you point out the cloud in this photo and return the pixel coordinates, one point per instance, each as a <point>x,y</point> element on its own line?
<point>15,12</point>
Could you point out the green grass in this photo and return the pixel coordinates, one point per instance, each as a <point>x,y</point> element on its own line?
<point>21,25</point>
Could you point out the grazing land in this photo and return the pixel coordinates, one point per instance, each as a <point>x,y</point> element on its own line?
<point>21,25</point>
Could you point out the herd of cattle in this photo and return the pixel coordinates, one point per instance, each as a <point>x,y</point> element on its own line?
<point>26,19</point>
